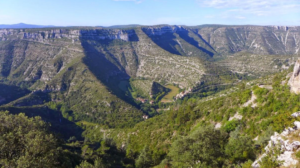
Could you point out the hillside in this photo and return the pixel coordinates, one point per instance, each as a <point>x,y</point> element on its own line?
<point>86,66</point>
<point>108,83</point>
<point>249,113</point>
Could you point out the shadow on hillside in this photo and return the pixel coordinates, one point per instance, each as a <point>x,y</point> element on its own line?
<point>6,63</point>
<point>63,127</point>
<point>184,34</point>
<point>10,93</point>
<point>205,41</point>
<point>105,66</point>
<point>166,41</point>
<point>37,98</point>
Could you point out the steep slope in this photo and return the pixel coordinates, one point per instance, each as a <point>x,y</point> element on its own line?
<point>52,61</point>
<point>294,80</point>
<point>86,68</point>
<point>264,40</point>
<point>249,126</point>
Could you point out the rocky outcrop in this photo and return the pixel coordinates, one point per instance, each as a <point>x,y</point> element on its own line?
<point>160,30</point>
<point>236,116</point>
<point>110,34</point>
<point>254,39</point>
<point>294,81</point>
<point>71,34</point>
<point>286,146</point>
<point>224,40</point>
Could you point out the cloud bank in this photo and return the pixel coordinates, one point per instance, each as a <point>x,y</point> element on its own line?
<point>256,7</point>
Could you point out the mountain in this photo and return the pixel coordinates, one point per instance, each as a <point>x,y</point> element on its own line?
<point>23,26</point>
<point>101,89</point>
<point>89,69</point>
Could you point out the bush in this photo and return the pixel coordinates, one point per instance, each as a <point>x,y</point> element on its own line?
<point>231,125</point>
<point>25,142</point>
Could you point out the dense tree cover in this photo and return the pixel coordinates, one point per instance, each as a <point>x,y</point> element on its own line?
<point>109,120</point>
<point>184,136</point>
<point>208,147</point>
<point>160,134</point>
<point>203,148</point>
<point>97,164</point>
<point>25,142</point>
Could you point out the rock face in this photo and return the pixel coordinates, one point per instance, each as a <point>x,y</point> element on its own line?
<point>61,60</point>
<point>287,147</point>
<point>256,39</point>
<point>158,31</point>
<point>294,81</point>
<point>46,35</point>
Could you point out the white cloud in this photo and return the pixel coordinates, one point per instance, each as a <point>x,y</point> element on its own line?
<point>256,7</point>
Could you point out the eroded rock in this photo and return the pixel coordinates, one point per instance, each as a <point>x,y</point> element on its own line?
<point>294,81</point>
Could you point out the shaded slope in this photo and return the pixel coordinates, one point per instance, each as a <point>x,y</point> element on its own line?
<point>63,127</point>
<point>185,34</point>
<point>91,100</point>
<point>179,41</point>
<point>10,93</point>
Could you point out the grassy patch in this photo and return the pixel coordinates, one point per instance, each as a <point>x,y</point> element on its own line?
<point>169,97</point>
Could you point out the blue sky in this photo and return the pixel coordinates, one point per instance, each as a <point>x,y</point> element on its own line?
<point>150,12</point>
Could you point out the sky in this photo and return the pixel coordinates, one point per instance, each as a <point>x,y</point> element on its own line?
<point>150,12</point>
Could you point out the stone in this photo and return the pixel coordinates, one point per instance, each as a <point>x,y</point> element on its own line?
<point>236,116</point>
<point>287,159</point>
<point>292,146</point>
<point>296,114</point>
<point>297,124</point>
<point>294,81</point>
<point>218,125</point>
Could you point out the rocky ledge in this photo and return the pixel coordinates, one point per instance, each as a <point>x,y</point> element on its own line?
<point>285,144</point>
<point>72,34</point>
<point>294,81</point>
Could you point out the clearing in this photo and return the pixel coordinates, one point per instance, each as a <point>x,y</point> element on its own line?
<point>169,97</point>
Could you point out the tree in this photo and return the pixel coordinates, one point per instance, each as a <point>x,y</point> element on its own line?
<point>231,125</point>
<point>240,148</point>
<point>144,160</point>
<point>97,164</point>
<point>203,148</point>
<point>25,142</point>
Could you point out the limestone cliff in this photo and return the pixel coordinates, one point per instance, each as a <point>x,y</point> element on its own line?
<point>294,81</point>
<point>46,35</point>
<point>253,39</point>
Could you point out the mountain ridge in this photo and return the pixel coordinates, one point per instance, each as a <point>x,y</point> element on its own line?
<point>54,59</point>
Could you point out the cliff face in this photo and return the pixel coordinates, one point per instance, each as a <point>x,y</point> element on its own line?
<point>254,39</point>
<point>46,35</point>
<point>63,61</point>
<point>158,31</point>
<point>152,52</point>
<point>294,81</point>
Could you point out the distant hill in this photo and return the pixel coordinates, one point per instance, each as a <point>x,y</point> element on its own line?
<point>23,25</point>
